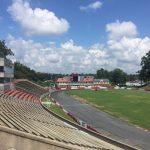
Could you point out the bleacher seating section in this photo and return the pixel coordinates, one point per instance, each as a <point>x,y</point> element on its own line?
<point>21,110</point>
<point>30,87</point>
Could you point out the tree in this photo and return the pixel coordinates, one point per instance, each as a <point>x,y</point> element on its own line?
<point>132,77</point>
<point>23,72</point>
<point>145,71</point>
<point>4,50</point>
<point>102,73</point>
<point>118,76</point>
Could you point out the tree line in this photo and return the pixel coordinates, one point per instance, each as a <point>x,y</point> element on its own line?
<point>21,71</point>
<point>116,76</point>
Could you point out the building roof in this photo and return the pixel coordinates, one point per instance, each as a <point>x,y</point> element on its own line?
<point>101,80</point>
<point>63,79</point>
<point>88,79</point>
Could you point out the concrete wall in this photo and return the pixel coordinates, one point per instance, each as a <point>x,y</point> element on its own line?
<point>1,61</point>
<point>5,86</point>
<point>7,74</point>
<point>16,140</point>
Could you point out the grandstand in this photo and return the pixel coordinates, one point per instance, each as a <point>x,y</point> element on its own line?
<point>30,87</point>
<point>26,125</point>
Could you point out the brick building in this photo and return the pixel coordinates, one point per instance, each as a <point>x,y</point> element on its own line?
<point>75,81</point>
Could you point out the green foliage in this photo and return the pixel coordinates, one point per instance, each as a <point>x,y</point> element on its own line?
<point>102,74</point>
<point>132,77</point>
<point>4,50</point>
<point>117,76</point>
<point>45,76</point>
<point>24,72</point>
<point>56,109</point>
<point>145,71</point>
<point>126,104</point>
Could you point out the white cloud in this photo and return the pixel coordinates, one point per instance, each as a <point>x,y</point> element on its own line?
<point>37,21</point>
<point>33,54</point>
<point>67,58</point>
<point>117,30</point>
<point>123,52</point>
<point>93,6</point>
<point>124,45</point>
<point>70,47</point>
<point>129,50</point>
<point>98,51</point>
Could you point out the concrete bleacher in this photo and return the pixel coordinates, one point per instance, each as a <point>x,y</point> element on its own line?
<point>21,111</point>
<point>22,95</point>
<point>30,87</point>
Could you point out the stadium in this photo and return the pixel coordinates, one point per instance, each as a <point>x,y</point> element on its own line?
<point>26,124</point>
<point>74,75</point>
<point>27,121</point>
<point>77,112</point>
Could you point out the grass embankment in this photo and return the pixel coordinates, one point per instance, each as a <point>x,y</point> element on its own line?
<point>132,106</point>
<point>46,101</point>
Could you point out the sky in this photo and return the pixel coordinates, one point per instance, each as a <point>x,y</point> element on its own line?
<point>76,36</point>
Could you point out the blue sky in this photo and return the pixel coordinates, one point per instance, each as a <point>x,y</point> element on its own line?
<point>77,35</point>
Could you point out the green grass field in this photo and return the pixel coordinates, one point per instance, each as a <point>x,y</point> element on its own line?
<point>132,106</point>
<point>56,109</point>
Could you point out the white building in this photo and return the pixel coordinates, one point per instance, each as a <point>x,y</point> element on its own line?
<point>101,82</point>
<point>6,73</point>
<point>134,83</point>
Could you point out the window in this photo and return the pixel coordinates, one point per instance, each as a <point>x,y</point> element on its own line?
<point>6,80</point>
<point>1,68</point>
<point>1,80</point>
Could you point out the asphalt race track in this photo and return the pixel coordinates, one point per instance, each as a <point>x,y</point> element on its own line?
<point>105,123</point>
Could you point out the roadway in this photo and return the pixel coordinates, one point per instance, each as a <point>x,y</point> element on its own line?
<point>105,123</point>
